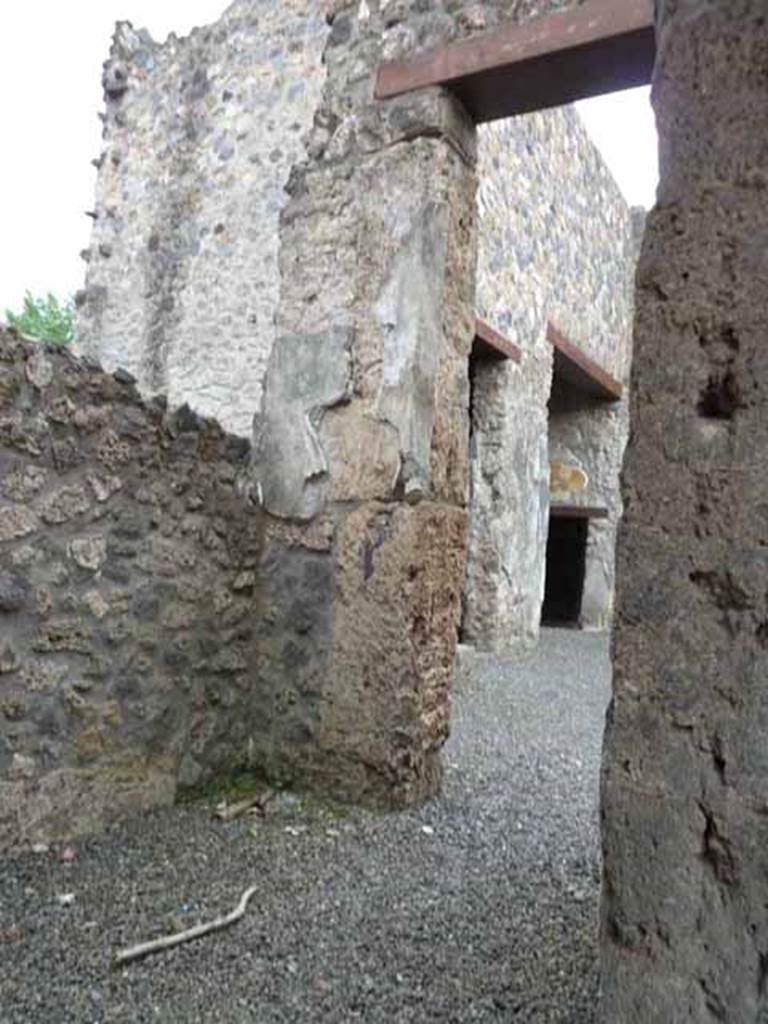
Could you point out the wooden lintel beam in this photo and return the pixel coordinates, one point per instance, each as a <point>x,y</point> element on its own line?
<point>490,344</point>
<point>578,511</point>
<point>581,371</point>
<point>598,47</point>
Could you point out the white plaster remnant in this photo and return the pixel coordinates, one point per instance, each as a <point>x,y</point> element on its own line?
<point>307,374</point>
<point>410,318</point>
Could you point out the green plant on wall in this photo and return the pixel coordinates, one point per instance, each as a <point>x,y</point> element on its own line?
<point>45,318</point>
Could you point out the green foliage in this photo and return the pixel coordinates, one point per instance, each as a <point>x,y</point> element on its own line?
<point>44,318</point>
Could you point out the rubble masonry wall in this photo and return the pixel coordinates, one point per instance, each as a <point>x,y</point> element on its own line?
<point>200,135</point>
<point>128,598</point>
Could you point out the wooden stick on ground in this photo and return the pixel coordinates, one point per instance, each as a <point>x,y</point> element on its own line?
<point>257,802</point>
<point>124,956</point>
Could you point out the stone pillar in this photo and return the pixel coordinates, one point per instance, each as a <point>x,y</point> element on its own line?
<point>361,443</point>
<point>685,783</point>
<point>509,502</point>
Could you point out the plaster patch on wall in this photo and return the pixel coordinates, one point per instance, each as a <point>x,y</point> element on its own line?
<point>409,314</point>
<point>566,479</point>
<point>307,375</point>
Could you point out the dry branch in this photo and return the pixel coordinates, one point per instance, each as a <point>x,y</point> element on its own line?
<point>124,956</point>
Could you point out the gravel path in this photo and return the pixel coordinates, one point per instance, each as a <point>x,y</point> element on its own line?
<point>480,906</point>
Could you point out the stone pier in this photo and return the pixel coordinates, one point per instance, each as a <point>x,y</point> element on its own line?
<point>361,458</point>
<point>685,782</point>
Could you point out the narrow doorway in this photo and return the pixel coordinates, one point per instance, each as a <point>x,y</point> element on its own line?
<point>465,631</point>
<point>566,561</point>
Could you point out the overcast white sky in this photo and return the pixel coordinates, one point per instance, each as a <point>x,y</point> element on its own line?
<point>51,54</point>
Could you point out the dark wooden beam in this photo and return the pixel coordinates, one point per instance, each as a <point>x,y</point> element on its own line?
<point>578,512</point>
<point>599,47</point>
<point>576,368</point>
<point>489,344</point>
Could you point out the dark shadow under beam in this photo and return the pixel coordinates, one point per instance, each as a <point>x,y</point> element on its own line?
<point>576,368</point>
<point>490,344</point>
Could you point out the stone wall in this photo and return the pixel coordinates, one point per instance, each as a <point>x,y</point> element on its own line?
<point>200,135</point>
<point>685,834</point>
<point>128,607</point>
<point>556,244</point>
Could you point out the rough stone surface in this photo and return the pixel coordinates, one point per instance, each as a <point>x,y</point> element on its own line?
<point>509,522</point>
<point>356,647</point>
<point>200,137</point>
<point>556,243</point>
<point>126,635</point>
<point>372,715</point>
<point>203,137</point>
<point>685,933</point>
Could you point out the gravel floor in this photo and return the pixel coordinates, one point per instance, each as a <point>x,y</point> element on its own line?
<point>480,906</point>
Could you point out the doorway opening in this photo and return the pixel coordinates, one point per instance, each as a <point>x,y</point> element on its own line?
<point>465,629</point>
<point>566,562</point>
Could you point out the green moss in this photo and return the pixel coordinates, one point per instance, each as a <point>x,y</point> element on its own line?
<point>228,787</point>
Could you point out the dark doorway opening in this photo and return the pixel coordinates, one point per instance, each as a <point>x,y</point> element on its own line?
<point>475,359</point>
<point>566,564</point>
